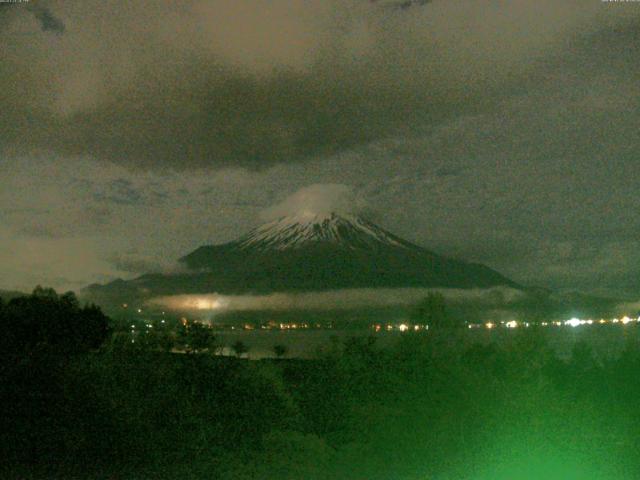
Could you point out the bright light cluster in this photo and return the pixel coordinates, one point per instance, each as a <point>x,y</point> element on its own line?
<point>403,327</point>
<point>575,322</point>
<point>572,322</point>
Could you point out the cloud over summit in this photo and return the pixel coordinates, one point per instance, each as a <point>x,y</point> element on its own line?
<point>318,199</point>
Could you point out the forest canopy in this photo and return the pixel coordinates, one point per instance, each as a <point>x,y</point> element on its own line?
<point>48,321</point>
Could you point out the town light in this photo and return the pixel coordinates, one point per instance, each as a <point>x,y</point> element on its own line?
<point>574,322</point>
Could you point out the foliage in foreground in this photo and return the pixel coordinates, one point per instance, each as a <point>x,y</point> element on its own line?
<point>426,409</point>
<point>46,321</point>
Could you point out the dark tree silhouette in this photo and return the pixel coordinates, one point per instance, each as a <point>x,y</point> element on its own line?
<point>164,340</point>
<point>432,311</point>
<point>240,348</point>
<point>196,337</point>
<point>280,350</point>
<point>201,337</point>
<point>46,321</point>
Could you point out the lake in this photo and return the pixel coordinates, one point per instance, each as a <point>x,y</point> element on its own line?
<point>607,341</point>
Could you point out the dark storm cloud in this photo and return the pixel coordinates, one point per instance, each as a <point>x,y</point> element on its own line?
<point>7,10</point>
<point>134,263</point>
<point>62,222</point>
<point>119,191</point>
<point>38,230</point>
<point>220,83</point>
<point>399,4</point>
<point>48,21</point>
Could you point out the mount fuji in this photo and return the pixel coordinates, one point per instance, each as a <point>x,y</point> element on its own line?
<point>308,252</point>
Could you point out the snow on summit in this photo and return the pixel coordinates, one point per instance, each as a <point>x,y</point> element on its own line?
<point>326,213</point>
<point>301,230</point>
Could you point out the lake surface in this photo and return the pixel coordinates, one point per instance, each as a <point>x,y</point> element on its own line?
<point>606,341</point>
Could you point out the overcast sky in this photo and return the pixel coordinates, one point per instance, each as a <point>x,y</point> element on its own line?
<point>504,132</point>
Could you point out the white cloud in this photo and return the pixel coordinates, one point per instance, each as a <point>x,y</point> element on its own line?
<point>337,299</point>
<point>318,199</point>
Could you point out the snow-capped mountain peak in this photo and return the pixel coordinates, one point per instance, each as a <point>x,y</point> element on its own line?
<point>306,228</point>
<point>306,251</point>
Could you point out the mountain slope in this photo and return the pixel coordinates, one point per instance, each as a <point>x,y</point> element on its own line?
<point>320,252</point>
<point>308,253</point>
